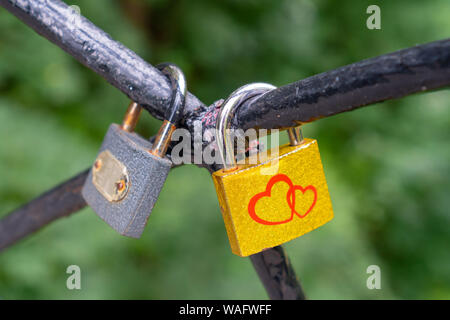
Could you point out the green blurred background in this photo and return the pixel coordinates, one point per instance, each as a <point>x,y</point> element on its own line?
<point>387,166</point>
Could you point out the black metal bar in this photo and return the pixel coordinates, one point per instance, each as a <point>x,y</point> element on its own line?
<point>124,69</point>
<point>421,68</point>
<point>277,275</point>
<point>59,202</point>
<point>390,76</point>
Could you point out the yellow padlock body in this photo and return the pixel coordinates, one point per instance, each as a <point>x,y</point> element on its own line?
<point>262,211</point>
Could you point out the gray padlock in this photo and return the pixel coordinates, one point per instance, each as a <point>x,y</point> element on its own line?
<point>129,172</point>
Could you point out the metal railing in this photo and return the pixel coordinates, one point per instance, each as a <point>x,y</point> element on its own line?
<point>394,75</point>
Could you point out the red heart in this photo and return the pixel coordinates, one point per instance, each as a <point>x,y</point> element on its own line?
<point>291,193</point>
<point>290,199</point>
<point>252,203</point>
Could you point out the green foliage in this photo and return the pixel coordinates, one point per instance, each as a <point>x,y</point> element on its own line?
<point>387,166</point>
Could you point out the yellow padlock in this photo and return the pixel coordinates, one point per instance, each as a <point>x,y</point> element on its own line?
<point>263,210</point>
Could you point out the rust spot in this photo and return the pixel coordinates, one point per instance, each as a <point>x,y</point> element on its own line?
<point>120,185</point>
<point>98,164</point>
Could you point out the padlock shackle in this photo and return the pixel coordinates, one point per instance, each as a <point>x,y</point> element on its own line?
<point>174,113</point>
<point>131,117</point>
<point>178,85</point>
<point>225,117</point>
<point>295,136</point>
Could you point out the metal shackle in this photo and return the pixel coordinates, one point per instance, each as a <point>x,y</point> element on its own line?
<point>131,117</point>
<point>225,116</point>
<point>174,113</point>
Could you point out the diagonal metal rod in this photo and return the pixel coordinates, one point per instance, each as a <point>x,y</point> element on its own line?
<point>390,76</point>
<point>124,69</point>
<point>59,202</point>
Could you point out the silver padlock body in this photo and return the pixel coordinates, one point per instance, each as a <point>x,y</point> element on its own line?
<point>146,176</point>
